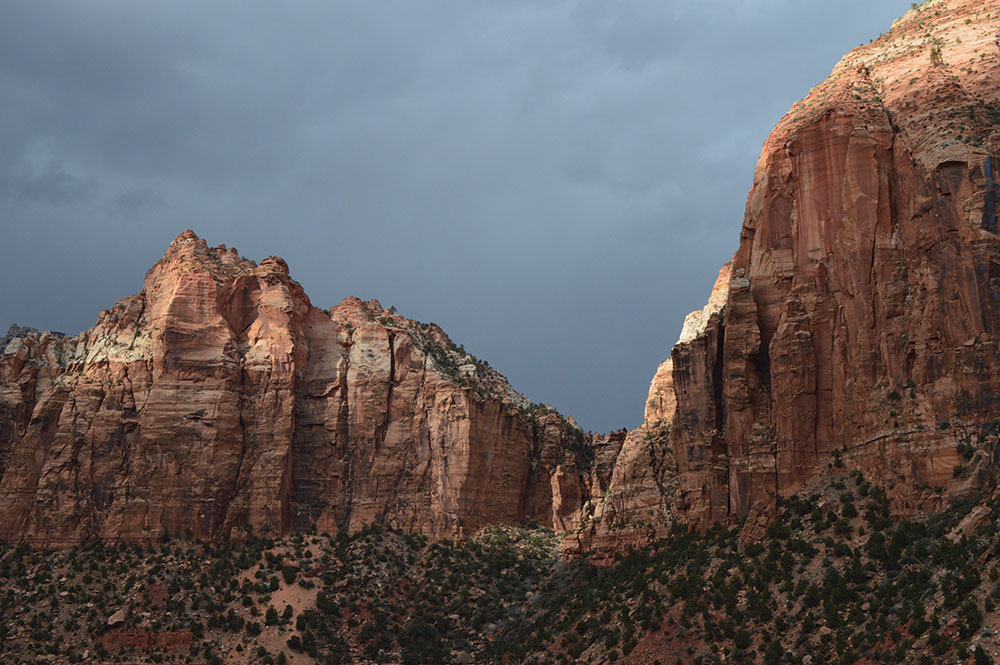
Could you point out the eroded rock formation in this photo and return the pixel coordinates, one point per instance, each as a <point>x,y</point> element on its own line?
<point>857,324</point>
<point>219,402</point>
<point>860,314</point>
<point>858,321</point>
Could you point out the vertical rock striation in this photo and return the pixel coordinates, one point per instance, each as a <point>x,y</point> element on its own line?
<point>858,322</point>
<point>863,308</point>
<point>219,402</point>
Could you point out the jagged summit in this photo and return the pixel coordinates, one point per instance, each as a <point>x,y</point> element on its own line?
<point>15,331</point>
<point>190,252</point>
<point>219,401</point>
<point>15,339</point>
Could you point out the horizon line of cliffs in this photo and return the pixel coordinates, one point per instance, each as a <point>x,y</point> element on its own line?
<point>857,325</point>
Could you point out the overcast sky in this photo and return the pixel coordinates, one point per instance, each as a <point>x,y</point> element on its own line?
<point>555,183</point>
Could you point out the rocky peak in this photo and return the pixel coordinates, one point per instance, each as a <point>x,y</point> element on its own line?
<point>696,322</point>
<point>20,332</point>
<point>356,311</point>
<point>272,265</point>
<point>218,401</point>
<point>15,332</point>
<point>24,345</point>
<point>188,252</point>
<point>931,77</point>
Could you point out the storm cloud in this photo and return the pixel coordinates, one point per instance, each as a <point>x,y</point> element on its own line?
<point>554,183</point>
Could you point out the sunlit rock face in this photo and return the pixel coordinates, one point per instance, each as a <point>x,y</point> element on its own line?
<point>857,324</point>
<point>859,317</point>
<point>218,402</point>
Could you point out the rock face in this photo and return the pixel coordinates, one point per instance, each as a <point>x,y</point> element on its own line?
<point>863,307</point>
<point>634,486</point>
<point>219,402</point>
<point>858,321</point>
<point>857,324</point>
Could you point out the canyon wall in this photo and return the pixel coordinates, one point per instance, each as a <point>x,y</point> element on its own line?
<point>857,324</point>
<point>218,402</point>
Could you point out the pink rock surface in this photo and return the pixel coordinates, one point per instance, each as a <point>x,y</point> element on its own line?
<point>218,401</point>
<point>861,311</point>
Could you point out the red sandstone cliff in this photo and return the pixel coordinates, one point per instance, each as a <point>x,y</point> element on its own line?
<point>858,323</point>
<point>218,401</point>
<point>861,313</point>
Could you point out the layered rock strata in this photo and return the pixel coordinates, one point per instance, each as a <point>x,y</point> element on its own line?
<point>218,402</point>
<point>857,324</point>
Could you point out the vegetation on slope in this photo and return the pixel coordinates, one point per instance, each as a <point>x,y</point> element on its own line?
<point>375,596</point>
<point>835,581</point>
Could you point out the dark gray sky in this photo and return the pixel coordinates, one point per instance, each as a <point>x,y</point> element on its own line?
<point>555,183</point>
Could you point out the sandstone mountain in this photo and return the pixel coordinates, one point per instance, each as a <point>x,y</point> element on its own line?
<point>858,321</point>
<point>219,402</point>
<point>856,326</point>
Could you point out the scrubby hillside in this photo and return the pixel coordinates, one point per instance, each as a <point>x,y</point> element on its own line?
<point>832,580</point>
